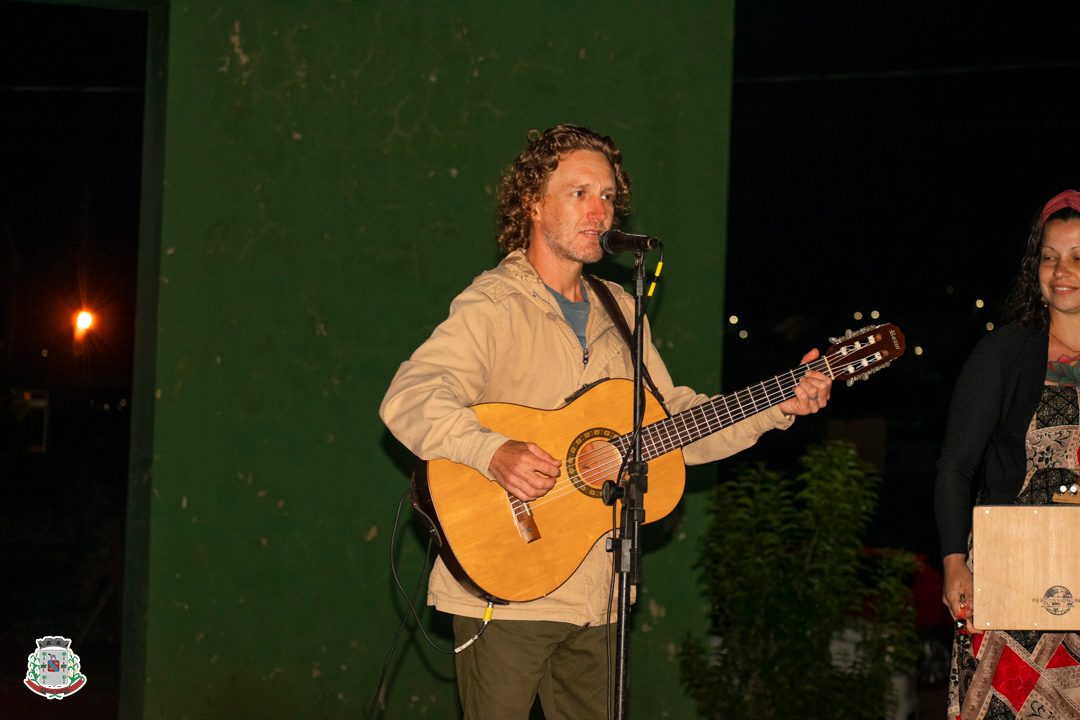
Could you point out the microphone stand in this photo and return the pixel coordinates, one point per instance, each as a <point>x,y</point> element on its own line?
<point>626,546</point>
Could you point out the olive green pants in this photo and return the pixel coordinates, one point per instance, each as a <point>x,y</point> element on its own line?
<point>501,674</point>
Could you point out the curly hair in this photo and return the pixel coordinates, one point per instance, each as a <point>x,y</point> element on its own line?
<point>1025,304</point>
<point>523,183</point>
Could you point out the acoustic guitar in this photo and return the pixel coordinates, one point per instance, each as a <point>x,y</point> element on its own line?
<point>507,549</point>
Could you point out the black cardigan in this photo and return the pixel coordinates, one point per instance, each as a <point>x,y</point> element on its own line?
<point>995,397</point>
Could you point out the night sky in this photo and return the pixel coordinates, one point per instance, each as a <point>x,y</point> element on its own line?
<point>884,157</point>
<point>889,157</point>
<point>72,138</point>
<point>892,155</point>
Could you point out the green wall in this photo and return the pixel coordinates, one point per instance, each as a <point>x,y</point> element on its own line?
<point>327,188</point>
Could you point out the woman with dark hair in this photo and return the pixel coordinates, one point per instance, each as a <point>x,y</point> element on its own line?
<point>1012,438</point>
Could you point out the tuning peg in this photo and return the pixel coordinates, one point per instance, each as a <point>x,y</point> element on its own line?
<point>868,373</point>
<point>849,334</point>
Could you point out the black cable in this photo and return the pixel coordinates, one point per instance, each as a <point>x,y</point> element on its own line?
<point>410,601</point>
<point>411,604</point>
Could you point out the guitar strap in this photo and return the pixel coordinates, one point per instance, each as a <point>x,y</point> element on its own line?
<point>608,301</point>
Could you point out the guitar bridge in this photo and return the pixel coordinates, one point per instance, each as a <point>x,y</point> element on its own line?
<point>524,520</point>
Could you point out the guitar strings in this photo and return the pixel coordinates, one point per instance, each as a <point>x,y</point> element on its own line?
<point>651,440</point>
<point>784,382</point>
<point>785,389</point>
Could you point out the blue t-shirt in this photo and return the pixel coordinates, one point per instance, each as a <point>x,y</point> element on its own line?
<point>576,313</point>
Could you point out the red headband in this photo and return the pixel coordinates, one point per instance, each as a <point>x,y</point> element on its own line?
<point>1064,199</point>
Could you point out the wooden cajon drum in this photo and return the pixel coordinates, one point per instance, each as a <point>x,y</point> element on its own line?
<point>1027,567</point>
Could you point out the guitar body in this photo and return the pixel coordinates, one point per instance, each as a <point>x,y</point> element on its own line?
<point>500,553</point>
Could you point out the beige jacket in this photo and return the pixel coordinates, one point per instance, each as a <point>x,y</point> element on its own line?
<point>505,340</point>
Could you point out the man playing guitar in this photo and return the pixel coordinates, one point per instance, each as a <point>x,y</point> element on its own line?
<point>528,332</point>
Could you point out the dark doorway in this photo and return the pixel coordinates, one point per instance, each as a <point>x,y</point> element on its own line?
<point>71,133</point>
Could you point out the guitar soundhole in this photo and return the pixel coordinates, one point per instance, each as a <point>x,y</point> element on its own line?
<point>592,460</point>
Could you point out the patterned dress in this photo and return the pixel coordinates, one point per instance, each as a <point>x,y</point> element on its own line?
<point>1013,675</point>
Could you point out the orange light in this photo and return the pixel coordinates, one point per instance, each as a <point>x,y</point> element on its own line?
<point>84,320</point>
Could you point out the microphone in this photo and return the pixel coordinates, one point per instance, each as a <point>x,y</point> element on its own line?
<point>615,241</point>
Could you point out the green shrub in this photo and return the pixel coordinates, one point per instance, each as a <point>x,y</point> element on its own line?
<point>786,576</point>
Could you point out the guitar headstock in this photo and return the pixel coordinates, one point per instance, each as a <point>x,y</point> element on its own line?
<point>1067,495</point>
<point>858,353</point>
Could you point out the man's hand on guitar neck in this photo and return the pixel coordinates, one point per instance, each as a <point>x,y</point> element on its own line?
<point>812,392</point>
<point>524,470</point>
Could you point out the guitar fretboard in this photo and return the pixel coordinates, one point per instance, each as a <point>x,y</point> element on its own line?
<point>714,415</point>
<point>855,357</point>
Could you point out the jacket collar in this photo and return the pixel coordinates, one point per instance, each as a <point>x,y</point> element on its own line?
<point>519,268</point>
<point>517,265</point>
